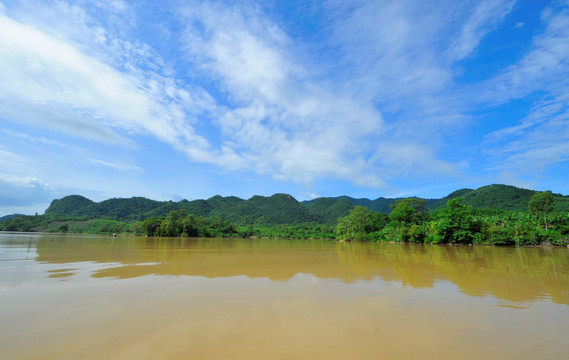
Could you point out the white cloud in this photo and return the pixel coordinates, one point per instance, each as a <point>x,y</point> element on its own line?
<point>484,18</point>
<point>116,6</point>
<point>48,82</point>
<point>41,140</point>
<point>22,191</point>
<point>75,76</point>
<point>372,100</point>
<point>10,160</point>
<point>407,160</point>
<point>404,55</point>
<point>539,141</point>
<point>280,120</point>
<point>541,138</point>
<point>391,50</point>
<point>395,55</point>
<point>542,68</point>
<point>23,181</point>
<point>112,165</point>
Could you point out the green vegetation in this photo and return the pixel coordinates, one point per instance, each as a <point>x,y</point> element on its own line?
<point>459,223</point>
<point>359,224</point>
<point>541,204</point>
<point>494,214</point>
<point>178,223</point>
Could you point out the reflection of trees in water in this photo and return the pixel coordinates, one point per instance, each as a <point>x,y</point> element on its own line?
<point>514,274</point>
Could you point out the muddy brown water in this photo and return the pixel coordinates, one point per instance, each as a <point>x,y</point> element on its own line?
<point>98,297</point>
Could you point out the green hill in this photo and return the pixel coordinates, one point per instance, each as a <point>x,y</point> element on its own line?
<point>381,205</point>
<point>222,207</point>
<point>282,208</point>
<point>72,205</point>
<point>276,209</point>
<point>122,209</point>
<point>329,209</point>
<point>6,217</point>
<point>500,197</point>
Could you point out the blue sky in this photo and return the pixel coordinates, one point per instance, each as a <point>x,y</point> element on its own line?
<point>189,99</point>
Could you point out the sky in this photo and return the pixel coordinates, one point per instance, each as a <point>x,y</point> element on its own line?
<point>176,100</point>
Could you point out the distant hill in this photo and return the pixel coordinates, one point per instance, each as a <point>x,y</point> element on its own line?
<point>500,197</point>
<point>382,205</point>
<point>276,209</point>
<point>6,217</point>
<point>283,208</point>
<point>115,209</point>
<point>72,205</point>
<point>329,209</point>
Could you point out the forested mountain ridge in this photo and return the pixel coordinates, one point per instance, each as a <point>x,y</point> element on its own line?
<point>493,214</point>
<point>283,208</point>
<point>499,197</point>
<point>276,209</point>
<point>6,217</point>
<point>380,205</point>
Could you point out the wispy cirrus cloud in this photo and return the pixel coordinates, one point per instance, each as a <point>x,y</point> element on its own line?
<point>542,68</point>
<point>483,18</point>
<point>540,139</point>
<point>53,82</point>
<point>401,57</point>
<point>9,160</point>
<point>116,166</point>
<point>374,94</point>
<point>404,55</point>
<point>275,116</point>
<point>35,139</point>
<point>279,119</point>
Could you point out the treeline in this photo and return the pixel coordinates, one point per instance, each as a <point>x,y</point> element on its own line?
<point>176,223</point>
<point>459,223</point>
<point>72,224</point>
<point>494,214</point>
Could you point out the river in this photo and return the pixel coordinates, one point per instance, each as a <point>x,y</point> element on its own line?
<point>98,297</point>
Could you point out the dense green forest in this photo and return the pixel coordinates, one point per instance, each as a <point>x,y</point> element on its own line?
<point>459,223</point>
<point>494,214</point>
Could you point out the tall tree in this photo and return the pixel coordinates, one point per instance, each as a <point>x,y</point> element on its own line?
<point>456,223</point>
<point>409,211</point>
<point>541,204</point>
<point>357,225</point>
